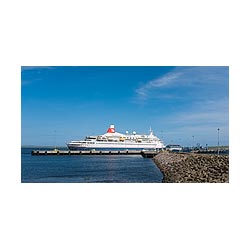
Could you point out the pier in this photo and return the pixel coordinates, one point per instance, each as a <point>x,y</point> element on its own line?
<point>145,154</point>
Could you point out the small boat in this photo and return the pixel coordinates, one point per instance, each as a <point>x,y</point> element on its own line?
<point>174,147</point>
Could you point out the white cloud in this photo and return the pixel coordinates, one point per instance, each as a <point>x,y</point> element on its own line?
<point>26,68</point>
<point>208,112</point>
<point>202,122</point>
<point>183,77</point>
<point>161,82</point>
<point>31,74</point>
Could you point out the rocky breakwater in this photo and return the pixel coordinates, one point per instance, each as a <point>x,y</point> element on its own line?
<point>191,167</point>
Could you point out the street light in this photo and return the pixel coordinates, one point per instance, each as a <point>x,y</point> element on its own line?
<point>218,140</point>
<point>55,138</point>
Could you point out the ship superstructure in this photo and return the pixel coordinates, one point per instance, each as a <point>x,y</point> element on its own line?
<point>113,140</point>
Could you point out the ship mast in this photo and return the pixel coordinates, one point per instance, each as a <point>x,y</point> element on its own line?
<point>150,131</point>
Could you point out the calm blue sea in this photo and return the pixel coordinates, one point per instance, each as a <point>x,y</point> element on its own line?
<point>88,168</point>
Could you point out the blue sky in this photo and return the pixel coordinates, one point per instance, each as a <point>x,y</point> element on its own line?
<point>60,104</point>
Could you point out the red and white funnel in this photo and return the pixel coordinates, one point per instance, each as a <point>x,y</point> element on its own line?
<point>111,129</point>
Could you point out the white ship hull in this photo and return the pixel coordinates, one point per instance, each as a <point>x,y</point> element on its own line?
<point>114,146</point>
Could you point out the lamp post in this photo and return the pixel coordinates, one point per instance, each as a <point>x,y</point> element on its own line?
<point>218,140</point>
<point>55,139</point>
<point>193,142</point>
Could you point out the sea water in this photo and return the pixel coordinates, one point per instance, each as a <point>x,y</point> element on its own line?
<point>87,168</point>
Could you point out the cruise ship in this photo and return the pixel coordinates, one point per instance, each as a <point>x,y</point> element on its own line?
<point>113,140</point>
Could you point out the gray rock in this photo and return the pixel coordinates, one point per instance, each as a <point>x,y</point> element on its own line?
<point>191,167</point>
